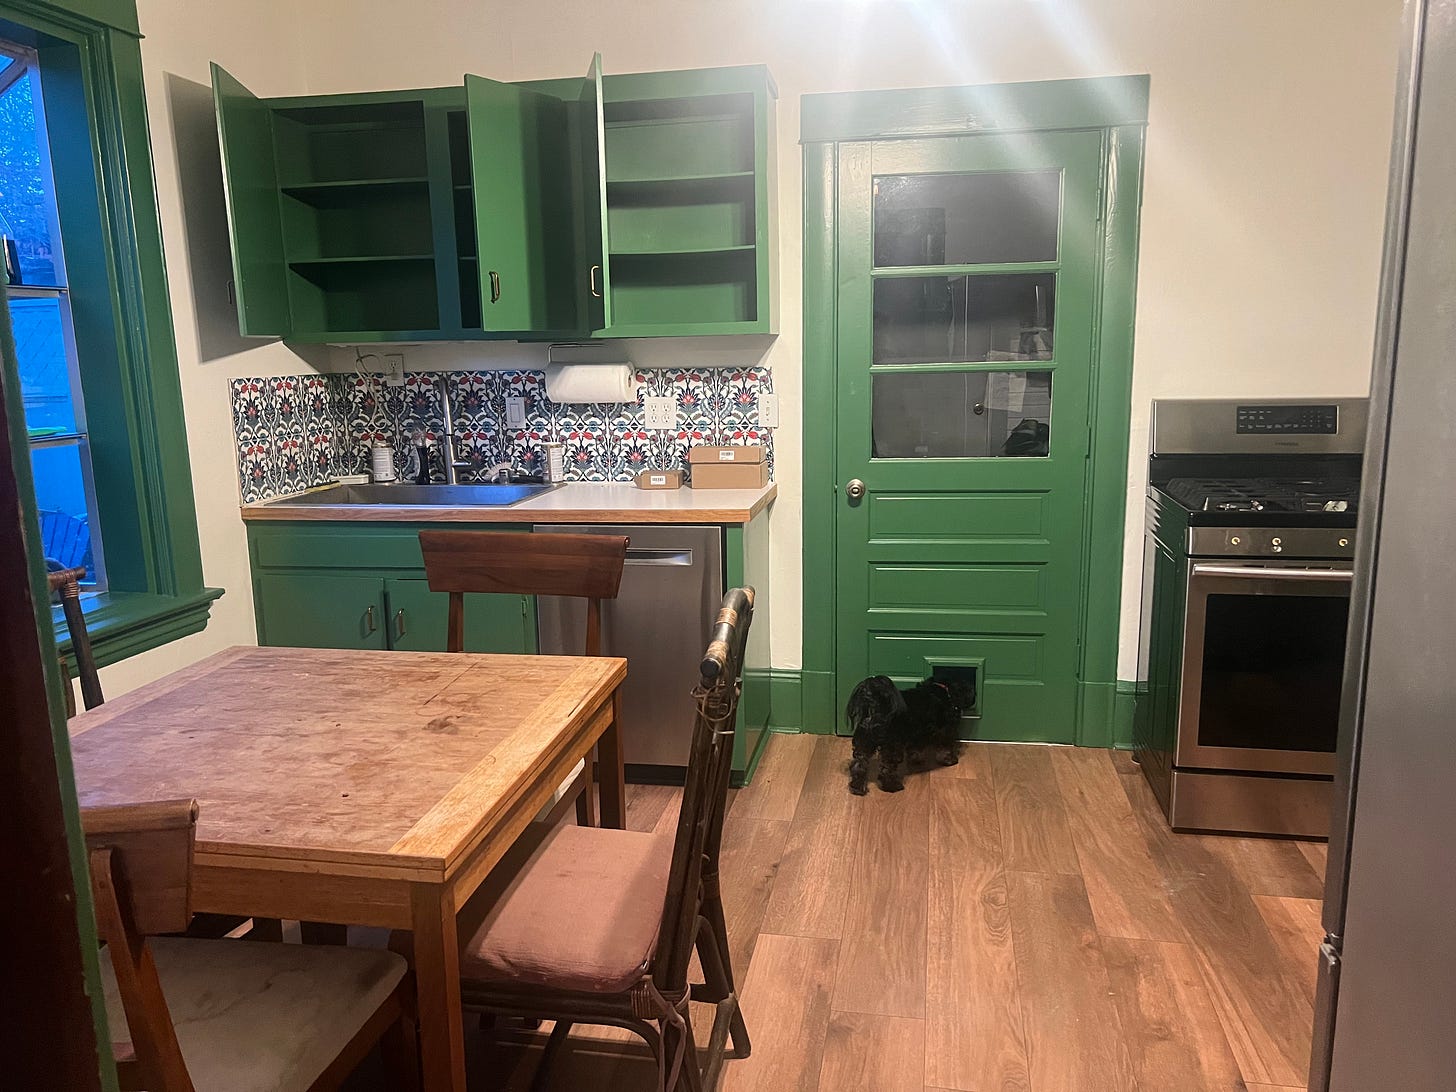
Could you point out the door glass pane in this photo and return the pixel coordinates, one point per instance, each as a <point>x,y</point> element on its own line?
<point>924,320</point>
<point>1272,666</point>
<point>967,219</point>
<point>962,415</point>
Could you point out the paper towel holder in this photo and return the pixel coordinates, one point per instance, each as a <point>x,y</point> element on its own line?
<point>597,353</point>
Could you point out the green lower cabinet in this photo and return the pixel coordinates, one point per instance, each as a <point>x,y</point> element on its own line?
<point>493,623</point>
<point>320,610</point>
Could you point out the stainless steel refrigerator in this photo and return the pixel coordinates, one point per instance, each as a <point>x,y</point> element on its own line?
<point>1386,1007</point>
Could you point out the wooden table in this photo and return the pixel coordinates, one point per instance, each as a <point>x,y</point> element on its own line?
<point>368,788</point>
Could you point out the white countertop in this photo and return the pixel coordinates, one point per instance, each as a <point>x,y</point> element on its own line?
<point>573,502</point>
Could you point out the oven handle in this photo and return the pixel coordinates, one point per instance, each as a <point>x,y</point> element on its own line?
<point>1257,572</point>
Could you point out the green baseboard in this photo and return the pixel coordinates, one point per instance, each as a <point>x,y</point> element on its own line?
<point>777,694</point>
<point>1124,705</point>
<point>820,710</point>
<point>1105,714</point>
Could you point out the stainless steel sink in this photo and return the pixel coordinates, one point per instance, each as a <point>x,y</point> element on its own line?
<point>495,496</point>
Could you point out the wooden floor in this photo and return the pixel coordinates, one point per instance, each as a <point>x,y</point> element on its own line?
<point>1023,921</point>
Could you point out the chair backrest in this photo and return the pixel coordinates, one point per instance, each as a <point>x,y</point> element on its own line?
<point>141,879</point>
<point>67,584</point>
<point>65,538</point>
<point>705,790</point>
<point>582,566</point>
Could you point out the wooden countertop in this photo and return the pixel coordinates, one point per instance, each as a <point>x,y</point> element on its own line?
<point>574,502</point>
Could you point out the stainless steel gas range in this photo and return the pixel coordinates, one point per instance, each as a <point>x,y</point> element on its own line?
<point>1246,592</point>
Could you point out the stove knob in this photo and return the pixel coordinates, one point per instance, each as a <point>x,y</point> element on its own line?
<point>1344,542</point>
<point>1276,542</point>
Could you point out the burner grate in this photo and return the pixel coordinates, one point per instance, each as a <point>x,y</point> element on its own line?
<point>1270,495</point>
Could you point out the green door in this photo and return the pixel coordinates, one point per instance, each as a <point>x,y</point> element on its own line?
<point>967,277</point>
<point>315,610</point>
<point>523,170</point>
<point>493,623</point>
<point>250,188</point>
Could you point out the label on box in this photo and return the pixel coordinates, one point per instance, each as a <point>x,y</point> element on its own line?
<point>657,479</point>
<point>725,456</point>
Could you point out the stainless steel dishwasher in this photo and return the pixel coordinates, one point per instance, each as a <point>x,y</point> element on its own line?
<point>672,586</point>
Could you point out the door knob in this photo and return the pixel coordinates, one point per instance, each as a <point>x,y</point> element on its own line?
<point>855,489</point>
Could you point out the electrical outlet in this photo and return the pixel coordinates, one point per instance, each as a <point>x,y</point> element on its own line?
<point>661,411</point>
<point>768,409</point>
<point>516,412</point>
<point>393,366</point>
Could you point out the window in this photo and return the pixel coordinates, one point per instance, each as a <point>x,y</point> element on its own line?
<point>40,316</point>
<point>95,364</point>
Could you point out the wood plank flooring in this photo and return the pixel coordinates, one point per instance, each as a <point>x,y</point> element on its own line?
<point>1022,922</point>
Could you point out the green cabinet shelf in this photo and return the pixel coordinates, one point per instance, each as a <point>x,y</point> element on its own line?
<point>601,206</point>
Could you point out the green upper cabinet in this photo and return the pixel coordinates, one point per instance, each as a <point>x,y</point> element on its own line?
<point>250,186</point>
<point>690,202</point>
<point>522,170</point>
<point>618,206</point>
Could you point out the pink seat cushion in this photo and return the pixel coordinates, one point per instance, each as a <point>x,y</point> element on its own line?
<point>581,914</point>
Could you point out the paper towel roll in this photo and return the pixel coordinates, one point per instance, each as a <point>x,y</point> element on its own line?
<point>590,383</point>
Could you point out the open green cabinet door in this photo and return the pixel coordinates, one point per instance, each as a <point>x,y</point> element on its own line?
<point>521,166</point>
<point>594,196</point>
<point>250,187</point>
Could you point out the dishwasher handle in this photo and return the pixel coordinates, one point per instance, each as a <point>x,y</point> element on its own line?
<point>643,556</point>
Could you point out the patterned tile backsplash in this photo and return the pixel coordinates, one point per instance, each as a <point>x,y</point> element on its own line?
<point>294,431</point>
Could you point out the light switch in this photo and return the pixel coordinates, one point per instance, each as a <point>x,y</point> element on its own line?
<point>660,411</point>
<point>768,409</point>
<point>516,412</point>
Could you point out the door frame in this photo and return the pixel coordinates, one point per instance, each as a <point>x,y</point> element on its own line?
<point>1115,106</point>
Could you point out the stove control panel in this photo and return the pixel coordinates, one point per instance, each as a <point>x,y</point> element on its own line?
<point>1288,420</point>
<point>1291,542</point>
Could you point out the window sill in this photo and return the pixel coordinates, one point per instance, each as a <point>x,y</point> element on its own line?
<point>122,624</point>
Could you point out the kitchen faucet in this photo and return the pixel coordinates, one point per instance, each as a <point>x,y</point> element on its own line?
<point>453,463</point>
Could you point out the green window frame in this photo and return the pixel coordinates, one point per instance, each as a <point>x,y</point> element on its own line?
<point>89,54</point>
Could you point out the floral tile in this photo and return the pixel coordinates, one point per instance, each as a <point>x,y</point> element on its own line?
<point>255,467</point>
<point>296,431</point>
<point>252,406</point>
<point>283,391</point>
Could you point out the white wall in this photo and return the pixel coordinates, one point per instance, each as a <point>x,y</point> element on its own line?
<point>1262,217</point>
<point>180,40</point>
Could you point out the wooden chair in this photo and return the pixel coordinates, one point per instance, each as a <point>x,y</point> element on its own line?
<point>67,584</point>
<point>580,566</point>
<point>598,926</point>
<point>222,1015</point>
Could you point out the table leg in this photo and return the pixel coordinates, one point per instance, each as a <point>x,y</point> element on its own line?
<point>610,770</point>
<point>437,980</point>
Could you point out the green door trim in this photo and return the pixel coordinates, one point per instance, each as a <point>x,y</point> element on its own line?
<point>1009,107</point>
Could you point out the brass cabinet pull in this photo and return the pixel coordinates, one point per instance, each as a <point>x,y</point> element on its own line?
<point>369,620</point>
<point>595,290</point>
<point>399,623</point>
<point>494,286</point>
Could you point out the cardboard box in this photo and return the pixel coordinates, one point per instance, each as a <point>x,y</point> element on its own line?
<point>729,467</point>
<point>743,453</point>
<point>660,479</point>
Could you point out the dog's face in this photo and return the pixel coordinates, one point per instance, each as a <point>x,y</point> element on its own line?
<point>962,694</point>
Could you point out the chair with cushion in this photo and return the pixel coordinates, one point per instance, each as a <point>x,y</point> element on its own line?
<point>223,1015</point>
<point>578,566</point>
<point>598,926</point>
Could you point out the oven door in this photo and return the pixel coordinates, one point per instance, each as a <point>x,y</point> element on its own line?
<point>1263,656</point>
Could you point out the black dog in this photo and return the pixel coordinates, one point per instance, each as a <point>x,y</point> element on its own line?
<point>898,723</point>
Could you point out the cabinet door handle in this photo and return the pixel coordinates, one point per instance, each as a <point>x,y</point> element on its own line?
<point>369,620</point>
<point>494,286</point>
<point>595,291</point>
<point>399,623</point>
